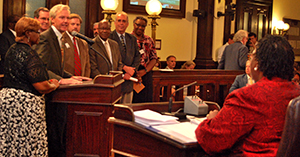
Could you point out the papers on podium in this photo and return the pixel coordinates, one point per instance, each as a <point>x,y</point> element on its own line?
<point>167,126</point>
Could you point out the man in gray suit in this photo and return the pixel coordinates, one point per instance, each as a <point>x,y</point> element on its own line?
<point>235,55</point>
<point>129,51</point>
<point>108,48</point>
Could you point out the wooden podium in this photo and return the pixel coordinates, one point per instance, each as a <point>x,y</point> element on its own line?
<point>89,105</point>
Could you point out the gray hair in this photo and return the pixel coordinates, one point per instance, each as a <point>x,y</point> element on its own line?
<point>239,35</point>
<point>121,13</point>
<point>58,8</point>
<point>96,23</point>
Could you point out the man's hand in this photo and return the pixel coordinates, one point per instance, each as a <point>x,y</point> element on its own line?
<point>69,81</point>
<point>129,70</point>
<point>81,78</point>
<point>126,76</point>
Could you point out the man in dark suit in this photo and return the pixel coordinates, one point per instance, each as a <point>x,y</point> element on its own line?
<point>243,79</point>
<point>129,51</point>
<point>76,62</point>
<point>235,55</point>
<point>50,49</point>
<point>51,45</point>
<point>7,38</point>
<point>108,48</point>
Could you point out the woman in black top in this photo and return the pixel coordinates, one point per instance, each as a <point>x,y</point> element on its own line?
<point>22,105</point>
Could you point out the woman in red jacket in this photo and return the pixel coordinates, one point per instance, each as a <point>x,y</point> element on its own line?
<point>252,118</point>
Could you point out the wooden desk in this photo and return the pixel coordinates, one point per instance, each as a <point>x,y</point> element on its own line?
<point>132,139</point>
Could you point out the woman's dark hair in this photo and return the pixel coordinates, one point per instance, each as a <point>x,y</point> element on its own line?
<point>275,57</point>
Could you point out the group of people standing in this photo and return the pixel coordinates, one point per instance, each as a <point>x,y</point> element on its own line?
<point>249,124</point>
<point>43,54</point>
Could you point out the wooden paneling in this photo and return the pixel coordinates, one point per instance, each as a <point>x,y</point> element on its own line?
<point>88,129</point>
<point>214,83</point>
<point>12,7</point>
<point>254,8</point>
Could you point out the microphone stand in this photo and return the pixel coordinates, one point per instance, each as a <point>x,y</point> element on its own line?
<point>171,99</point>
<point>108,65</point>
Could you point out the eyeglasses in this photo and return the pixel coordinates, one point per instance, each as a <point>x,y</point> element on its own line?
<point>139,25</point>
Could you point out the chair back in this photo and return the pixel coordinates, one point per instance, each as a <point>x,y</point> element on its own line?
<point>290,141</point>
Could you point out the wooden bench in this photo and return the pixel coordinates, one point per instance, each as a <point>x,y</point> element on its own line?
<point>214,83</point>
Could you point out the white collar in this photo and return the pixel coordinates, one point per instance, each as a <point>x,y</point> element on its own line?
<point>57,33</point>
<point>14,32</point>
<point>71,36</point>
<point>121,34</point>
<point>103,40</point>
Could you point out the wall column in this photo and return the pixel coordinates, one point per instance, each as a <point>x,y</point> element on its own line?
<point>203,58</point>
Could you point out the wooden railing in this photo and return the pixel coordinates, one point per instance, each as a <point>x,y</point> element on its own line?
<point>213,84</point>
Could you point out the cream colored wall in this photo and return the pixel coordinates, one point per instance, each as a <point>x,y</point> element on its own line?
<point>288,9</point>
<point>178,35</point>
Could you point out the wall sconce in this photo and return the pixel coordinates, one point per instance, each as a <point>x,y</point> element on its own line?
<point>199,13</point>
<point>109,7</point>
<point>229,11</point>
<point>282,27</point>
<point>153,8</point>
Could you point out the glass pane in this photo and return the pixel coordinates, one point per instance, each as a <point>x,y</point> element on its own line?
<point>246,20</point>
<point>32,5</point>
<point>79,7</point>
<point>260,25</point>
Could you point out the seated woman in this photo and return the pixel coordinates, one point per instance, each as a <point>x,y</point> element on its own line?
<point>22,105</point>
<point>252,118</point>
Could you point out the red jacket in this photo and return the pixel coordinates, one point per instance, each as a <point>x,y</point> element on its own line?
<point>251,120</point>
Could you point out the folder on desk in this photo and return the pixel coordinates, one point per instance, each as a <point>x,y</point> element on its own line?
<point>182,132</point>
<point>167,126</point>
<point>150,118</point>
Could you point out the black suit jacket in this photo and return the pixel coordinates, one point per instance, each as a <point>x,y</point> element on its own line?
<point>7,38</point>
<point>130,58</point>
<point>50,52</point>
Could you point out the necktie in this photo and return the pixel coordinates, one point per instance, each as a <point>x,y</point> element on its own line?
<point>108,52</point>
<point>123,43</point>
<point>61,49</point>
<point>77,64</point>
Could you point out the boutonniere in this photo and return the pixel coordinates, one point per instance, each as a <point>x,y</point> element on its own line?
<point>67,45</point>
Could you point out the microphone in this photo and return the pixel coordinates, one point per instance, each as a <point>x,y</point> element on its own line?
<point>87,39</point>
<point>171,99</point>
<point>91,42</point>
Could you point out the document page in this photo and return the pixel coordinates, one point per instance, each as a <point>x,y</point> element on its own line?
<point>185,131</point>
<point>151,118</point>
